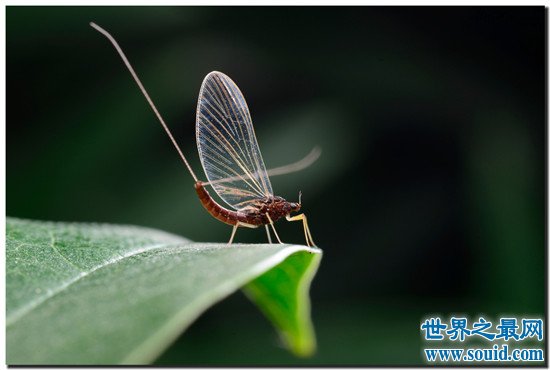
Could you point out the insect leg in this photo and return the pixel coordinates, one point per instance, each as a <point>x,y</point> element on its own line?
<point>309,239</point>
<point>268,234</point>
<point>232,235</point>
<point>235,229</point>
<point>273,227</point>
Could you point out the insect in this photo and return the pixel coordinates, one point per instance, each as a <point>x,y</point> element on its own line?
<point>231,157</point>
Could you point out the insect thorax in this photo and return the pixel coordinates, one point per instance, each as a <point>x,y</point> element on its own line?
<point>275,206</point>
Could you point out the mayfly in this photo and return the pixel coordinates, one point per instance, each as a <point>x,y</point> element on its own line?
<point>231,158</point>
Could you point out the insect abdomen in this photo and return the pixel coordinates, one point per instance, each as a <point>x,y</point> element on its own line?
<point>218,212</point>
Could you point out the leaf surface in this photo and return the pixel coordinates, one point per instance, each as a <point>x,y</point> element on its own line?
<point>105,294</point>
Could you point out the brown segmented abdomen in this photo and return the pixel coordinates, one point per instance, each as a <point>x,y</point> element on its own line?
<point>225,215</point>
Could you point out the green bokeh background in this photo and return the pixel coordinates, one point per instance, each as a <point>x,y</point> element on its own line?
<point>429,197</point>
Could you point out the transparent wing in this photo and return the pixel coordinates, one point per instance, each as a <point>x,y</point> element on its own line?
<point>227,144</point>
<point>303,163</point>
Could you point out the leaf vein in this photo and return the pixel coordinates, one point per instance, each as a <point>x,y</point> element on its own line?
<point>21,312</point>
<point>56,249</point>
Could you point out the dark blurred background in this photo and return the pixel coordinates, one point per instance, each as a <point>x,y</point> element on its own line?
<point>429,196</point>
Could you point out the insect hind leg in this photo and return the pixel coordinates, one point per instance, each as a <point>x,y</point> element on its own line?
<point>307,233</point>
<point>235,227</point>
<point>232,234</point>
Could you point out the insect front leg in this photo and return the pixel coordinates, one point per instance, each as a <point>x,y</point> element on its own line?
<point>307,233</point>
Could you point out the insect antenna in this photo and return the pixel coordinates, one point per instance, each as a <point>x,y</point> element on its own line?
<point>140,85</point>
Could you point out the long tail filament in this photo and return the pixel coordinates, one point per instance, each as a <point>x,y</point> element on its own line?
<point>149,100</point>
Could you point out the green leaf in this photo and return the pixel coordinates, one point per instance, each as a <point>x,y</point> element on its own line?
<point>282,294</point>
<point>105,294</point>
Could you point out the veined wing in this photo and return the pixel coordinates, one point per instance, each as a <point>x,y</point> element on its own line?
<point>303,163</point>
<point>227,144</point>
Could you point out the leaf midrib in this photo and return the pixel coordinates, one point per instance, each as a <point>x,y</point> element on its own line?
<point>23,310</point>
